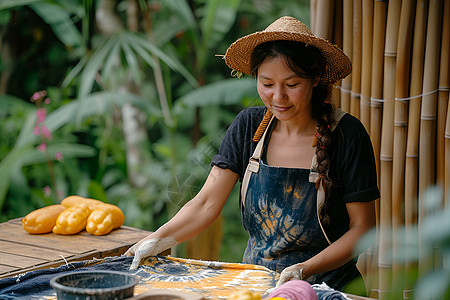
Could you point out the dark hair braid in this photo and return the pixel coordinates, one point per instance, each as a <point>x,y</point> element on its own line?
<point>322,110</point>
<point>324,152</point>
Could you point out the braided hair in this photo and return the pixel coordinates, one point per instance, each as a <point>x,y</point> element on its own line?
<point>307,62</point>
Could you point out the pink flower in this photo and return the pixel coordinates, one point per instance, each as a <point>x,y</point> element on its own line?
<point>47,191</point>
<point>40,113</point>
<point>36,130</point>
<point>59,156</point>
<point>36,96</point>
<point>42,147</point>
<point>46,133</point>
<point>47,101</point>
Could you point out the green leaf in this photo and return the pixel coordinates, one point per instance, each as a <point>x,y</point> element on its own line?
<point>220,16</point>
<point>94,64</point>
<point>111,62</point>
<point>26,136</point>
<point>61,23</point>
<point>9,103</point>
<point>225,92</point>
<point>433,285</point>
<point>132,62</point>
<point>9,4</point>
<point>7,166</point>
<point>68,150</point>
<point>182,11</point>
<point>172,62</point>
<point>75,72</point>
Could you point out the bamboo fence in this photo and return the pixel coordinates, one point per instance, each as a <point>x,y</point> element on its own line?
<point>399,89</point>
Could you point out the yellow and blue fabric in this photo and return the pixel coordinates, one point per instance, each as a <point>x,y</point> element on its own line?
<point>207,278</point>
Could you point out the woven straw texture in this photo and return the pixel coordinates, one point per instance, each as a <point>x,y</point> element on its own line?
<point>238,55</point>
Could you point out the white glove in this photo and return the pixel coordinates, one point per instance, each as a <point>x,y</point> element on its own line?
<point>292,272</point>
<point>151,247</point>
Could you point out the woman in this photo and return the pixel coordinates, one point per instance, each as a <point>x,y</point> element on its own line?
<point>307,170</point>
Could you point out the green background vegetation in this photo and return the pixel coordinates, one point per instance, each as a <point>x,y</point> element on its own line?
<point>104,63</point>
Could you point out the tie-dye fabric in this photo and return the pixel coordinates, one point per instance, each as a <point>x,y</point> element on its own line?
<point>281,220</point>
<point>209,279</point>
<point>280,217</point>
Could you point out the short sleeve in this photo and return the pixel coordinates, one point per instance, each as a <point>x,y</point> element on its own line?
<point>237,145</point>
<point>356,169</point>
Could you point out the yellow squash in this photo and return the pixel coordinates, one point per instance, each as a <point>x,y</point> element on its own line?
<point>74,200</point>
<point>42,220</point>
<point>104,218</point>
<point>73,219</point>
<point>244,295</point>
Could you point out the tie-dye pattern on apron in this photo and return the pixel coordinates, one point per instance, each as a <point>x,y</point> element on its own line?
<point>281,220</point>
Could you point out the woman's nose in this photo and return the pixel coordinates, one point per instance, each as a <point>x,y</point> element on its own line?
<point>279,93</point>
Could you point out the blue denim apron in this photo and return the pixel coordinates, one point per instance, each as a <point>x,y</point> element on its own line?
<point>280,216</point>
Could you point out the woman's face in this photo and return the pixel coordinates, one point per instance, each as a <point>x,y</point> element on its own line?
<point>285,93</point>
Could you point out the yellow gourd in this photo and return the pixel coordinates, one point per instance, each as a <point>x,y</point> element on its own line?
<point>104,218</point>
<point>42,220</point>
<point>244,295</point>
<point>73,219</point>
<point>74,200</point>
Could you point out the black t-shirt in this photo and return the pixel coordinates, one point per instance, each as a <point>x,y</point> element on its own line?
<point>352,168</point>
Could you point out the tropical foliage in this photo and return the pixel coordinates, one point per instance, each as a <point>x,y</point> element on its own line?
<point>136,101</point>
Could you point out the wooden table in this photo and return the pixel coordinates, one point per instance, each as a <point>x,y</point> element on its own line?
<point>21,252</point>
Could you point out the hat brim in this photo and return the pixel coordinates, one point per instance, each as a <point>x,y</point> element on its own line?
<point>239,53</point>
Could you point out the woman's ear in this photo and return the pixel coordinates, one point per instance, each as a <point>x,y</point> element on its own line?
<point>316,81</point>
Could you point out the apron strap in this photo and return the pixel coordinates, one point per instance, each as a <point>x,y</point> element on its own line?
<point>253,166</point>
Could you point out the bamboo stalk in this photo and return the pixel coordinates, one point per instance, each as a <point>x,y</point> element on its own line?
<point>366,73</point>
<point>355,97</point>
<point>337,40</point>
<point>347,46</point>
<point>379,29</point>
<point>400,133</point>
<point>390,52</point>
<point>312,14</point>
<point>324,19</point>
<point>337,23</point>
<point>447,156</point>
<point>427,133</point>
<point>366,67</point>
<point>444,86</point>
<point>412,147</point>
<point>376,93</point>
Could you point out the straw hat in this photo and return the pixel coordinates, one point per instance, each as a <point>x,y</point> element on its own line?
<point>238,55</point>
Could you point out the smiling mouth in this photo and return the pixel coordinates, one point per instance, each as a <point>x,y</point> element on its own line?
<point>281,108</point>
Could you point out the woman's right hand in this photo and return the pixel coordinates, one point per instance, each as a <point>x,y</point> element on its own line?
<point>149,247</point>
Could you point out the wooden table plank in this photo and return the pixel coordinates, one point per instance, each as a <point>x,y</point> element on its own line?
<point>31,251</point>
<point>22,252</point>
<point>6,269</point>
<point>56,241</point>
<point>19,261</point>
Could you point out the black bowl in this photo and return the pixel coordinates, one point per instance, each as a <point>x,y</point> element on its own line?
<point>94,285</point>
